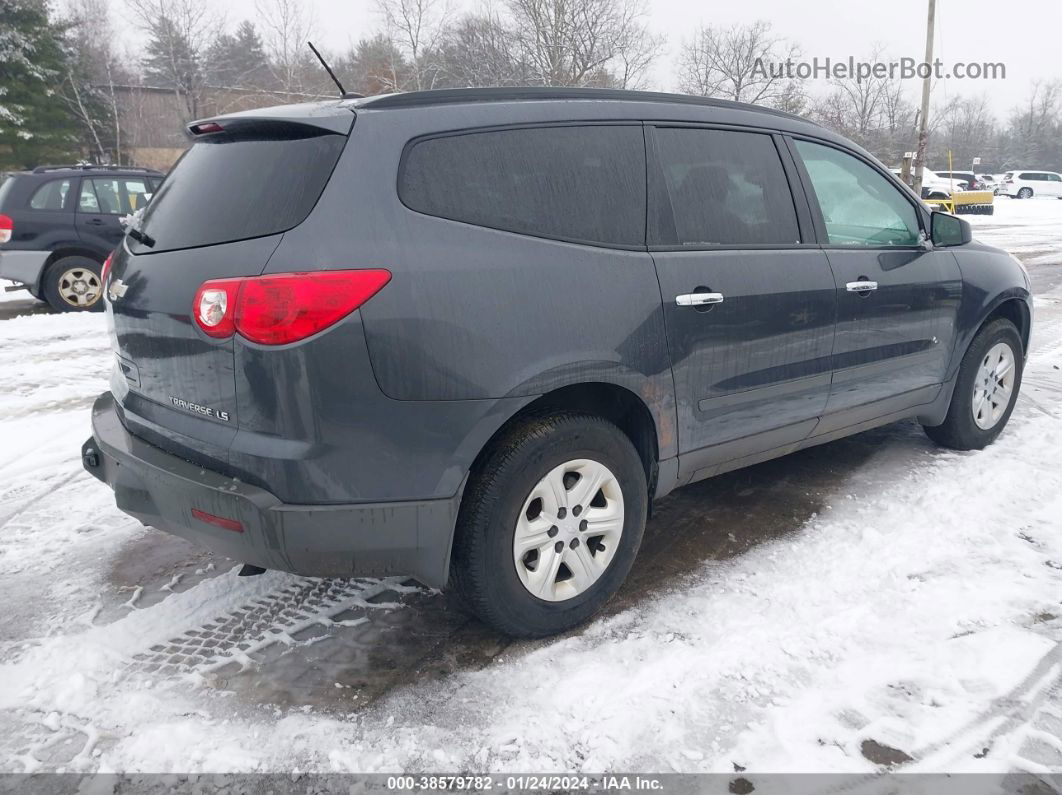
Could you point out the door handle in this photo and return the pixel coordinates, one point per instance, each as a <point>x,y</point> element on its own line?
<point>698,299</point>
<point>861,286</point>
<point>95,222</point>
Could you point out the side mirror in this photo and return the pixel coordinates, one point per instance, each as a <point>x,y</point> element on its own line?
<point>947,230</point>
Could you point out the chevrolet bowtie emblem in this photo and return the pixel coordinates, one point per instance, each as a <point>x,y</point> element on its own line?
<point>117,289</point>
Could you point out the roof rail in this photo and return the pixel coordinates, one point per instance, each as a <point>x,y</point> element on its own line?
<point>94,166</point>
<point>448,96</point>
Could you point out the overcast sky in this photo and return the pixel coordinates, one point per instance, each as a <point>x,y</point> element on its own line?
<point>967,31</point>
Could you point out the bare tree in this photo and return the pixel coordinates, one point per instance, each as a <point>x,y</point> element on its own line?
<point>287,25</point>
<point>480,50</point>
<point>416,27</point>
<point>967,129</point>
<point>742,63</point>
<point>180,31</point>
<point>584,42</point>
<point>855,104</point>
<point>1035,127</point>
<point>374,66</point>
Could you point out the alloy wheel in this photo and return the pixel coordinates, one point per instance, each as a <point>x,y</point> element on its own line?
<point>993,386</point>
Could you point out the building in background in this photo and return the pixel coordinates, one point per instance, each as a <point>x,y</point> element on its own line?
<point>152,120</point>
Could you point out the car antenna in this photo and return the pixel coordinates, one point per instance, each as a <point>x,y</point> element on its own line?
<point>342,91</point>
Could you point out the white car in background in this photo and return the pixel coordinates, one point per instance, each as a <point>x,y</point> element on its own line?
<point>1027,183</point>
<point>935,186</point>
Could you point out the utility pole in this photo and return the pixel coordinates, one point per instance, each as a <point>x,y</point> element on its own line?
<point>923,119</point>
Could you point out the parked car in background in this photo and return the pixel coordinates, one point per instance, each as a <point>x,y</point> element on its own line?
<point>970,179</point>
<point>934,186</point>
<point>1027,183</point>
<point>59,223</point>
<point>478,331</point>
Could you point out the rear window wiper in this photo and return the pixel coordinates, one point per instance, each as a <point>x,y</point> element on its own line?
<point>141,237</point>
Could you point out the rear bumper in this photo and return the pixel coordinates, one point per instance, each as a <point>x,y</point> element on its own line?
<point>23,266</point>
<point>366,539</point>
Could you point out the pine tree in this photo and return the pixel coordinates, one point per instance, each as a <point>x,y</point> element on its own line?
<point>238,60</point>
<point>34,125</point>
<point>172,62</point>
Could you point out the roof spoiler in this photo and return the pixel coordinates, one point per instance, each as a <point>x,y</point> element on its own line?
<point>333,117</point>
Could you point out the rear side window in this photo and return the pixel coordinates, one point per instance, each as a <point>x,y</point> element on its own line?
<point>859,206</point>
<point>724,188</point>
<point>238,187</point>
<point>584,184</point>
<point>51,195</point>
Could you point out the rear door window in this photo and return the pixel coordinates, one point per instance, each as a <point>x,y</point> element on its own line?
<point>51,195</point>
<point>721,188</point>
<point>235,187</point>
<point>579,183</point>
<point>859,206</point>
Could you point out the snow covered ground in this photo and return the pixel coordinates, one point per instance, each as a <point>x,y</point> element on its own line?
<point>877,601</point>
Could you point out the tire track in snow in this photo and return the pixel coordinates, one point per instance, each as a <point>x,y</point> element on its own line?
<point>221,633</point>
<point>280,617</point>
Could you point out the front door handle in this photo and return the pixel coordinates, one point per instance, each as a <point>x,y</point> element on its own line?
<point>698,299</point>
<point>861,286</point>
<point>96,222</point>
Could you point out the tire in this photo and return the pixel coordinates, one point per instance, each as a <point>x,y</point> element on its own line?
<point>1025,193</point>
<point>960,430</point>
<point>73,284</point>
<point>500,502</point>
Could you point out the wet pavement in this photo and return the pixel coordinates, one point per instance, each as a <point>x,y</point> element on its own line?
<point>293,651</point>
<point>21,303</point>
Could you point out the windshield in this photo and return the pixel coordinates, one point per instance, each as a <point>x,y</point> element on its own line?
<point>235,188</point>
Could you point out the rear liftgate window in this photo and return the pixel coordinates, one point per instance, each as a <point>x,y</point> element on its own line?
<point>235,186</point>
<point>584,184</point>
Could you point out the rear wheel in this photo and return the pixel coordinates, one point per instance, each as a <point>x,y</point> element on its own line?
<point>550,524</point>
<point>73,284</point>
<point>985,390</point>
<point>1025,193</point>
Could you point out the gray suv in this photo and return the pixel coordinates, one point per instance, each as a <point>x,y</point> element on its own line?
<point>469,336</point>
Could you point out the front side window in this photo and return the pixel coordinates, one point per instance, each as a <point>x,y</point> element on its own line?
<point>113,196</point>
<point>87,201</point>
<point>859,206</point>
<point>51,195</point>
<point>584,184</point>
<point>724,188</point>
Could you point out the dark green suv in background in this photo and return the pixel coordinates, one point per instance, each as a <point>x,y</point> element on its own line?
<point>59,223</point>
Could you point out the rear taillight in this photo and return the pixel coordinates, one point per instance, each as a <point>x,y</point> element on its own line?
<point>7,228</point>
<point>280,308</point>
<point>106,269</point>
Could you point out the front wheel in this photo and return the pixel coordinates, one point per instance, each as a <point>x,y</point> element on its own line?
<point>550,524</point>
<point>985,389</point>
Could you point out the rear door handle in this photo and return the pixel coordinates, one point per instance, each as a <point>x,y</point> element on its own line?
<point>95,221</point>
<point>698,299</point>
<point>861,286</point>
